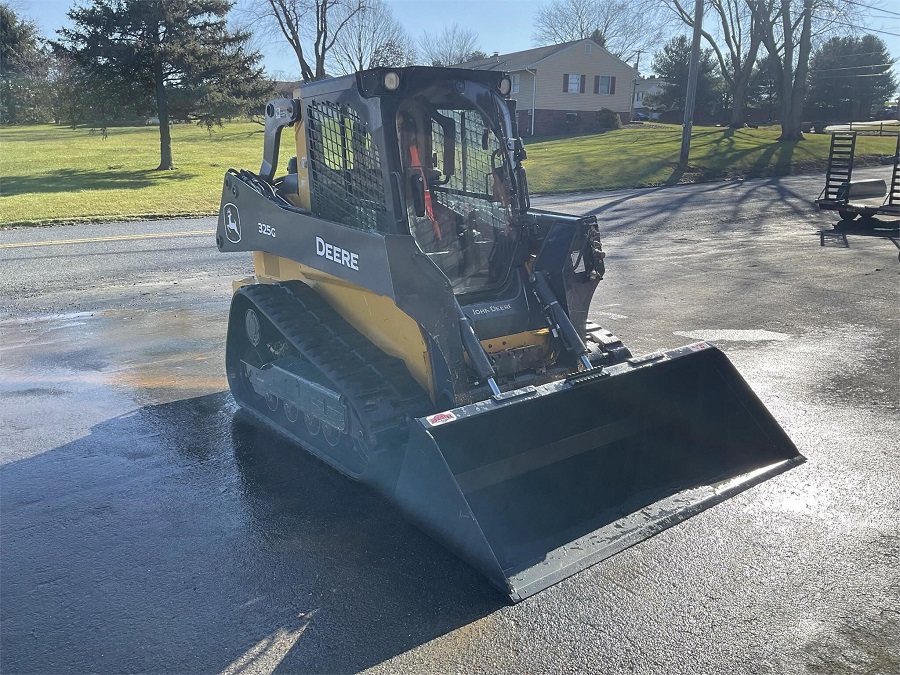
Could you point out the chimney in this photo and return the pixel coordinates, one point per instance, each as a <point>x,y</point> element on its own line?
<point>495,54</point>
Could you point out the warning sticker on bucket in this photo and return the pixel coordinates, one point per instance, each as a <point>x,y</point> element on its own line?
<point>697,346</point>
<point>440,418</point>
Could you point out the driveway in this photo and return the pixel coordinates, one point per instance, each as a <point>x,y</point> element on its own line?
<point>146,526</point>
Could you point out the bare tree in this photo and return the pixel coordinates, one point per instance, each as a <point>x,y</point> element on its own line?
<point>789,28</point>
<point>565,20</point>
<point>365,35</point>
<point>787,35</point>
<point>735,39</point>
<point>308,22</point>
<point>452,45</point>
<point>625,28</point>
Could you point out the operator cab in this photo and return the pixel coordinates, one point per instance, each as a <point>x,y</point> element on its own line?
<point>452,138</point>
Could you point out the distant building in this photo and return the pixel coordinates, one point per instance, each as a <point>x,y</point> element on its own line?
<point>646,86</point>
<point>560,88</point>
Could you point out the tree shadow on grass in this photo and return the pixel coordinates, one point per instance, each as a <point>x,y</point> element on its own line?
<point>73,180</point>
<point>782,152</point>
<point>776,159</point>
<point>677,175</point>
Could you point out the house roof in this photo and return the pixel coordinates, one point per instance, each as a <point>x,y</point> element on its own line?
<point>516,60</point>
<point>528,58</point>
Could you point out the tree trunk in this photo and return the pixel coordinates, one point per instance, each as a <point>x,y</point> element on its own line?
<point>738,103</point>
<point>793,88</point>
<point>743,74</point>
<point>306,73</point>
<point>162,112</point>
<point>790,131</point>
<point>791,122</point>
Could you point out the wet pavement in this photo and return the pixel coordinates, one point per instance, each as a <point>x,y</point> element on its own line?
<point>147,526</point>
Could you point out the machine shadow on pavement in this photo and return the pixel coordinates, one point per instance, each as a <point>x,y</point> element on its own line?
<point>869,227</point>
<point>183,538</point>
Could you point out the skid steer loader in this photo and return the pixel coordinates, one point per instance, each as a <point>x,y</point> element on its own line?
<point>414,323</point>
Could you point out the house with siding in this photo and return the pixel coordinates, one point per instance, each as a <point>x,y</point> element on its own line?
<point>644,87</point>
<point>560,88</point>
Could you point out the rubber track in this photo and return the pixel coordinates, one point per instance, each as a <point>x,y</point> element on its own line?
<point>378,387</point>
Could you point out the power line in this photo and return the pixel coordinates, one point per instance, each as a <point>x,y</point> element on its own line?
<point>868,65</point>
<point>853,25</point>
<point>854,54</point>
<point>844,77</point>
<point>872,7</point>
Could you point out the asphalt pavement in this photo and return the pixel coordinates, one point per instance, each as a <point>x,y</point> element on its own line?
<point>147,526</point>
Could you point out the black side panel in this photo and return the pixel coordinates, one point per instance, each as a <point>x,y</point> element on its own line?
<point>513,309</point>
<point>423,292</point>
<point>390,265</point>
<point>249,221</point>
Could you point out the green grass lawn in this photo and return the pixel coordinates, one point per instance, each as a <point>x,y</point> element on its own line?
<point>635,157</point>
<point>55,174</point>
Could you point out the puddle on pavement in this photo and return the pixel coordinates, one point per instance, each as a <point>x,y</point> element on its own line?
<point>815,384</point>
<point>82,367</point>
<point>862,643</point>
<point>839,365</point>
<point>733,335</point>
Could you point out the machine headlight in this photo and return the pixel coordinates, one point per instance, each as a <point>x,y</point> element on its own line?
<point>505,86</point>
<point>391,80</point>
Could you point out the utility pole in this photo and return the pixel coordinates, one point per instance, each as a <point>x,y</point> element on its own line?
<point>637,67</point>
<point>691,96</point>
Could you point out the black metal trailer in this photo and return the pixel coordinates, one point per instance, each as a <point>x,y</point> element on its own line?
<point>865,198</point>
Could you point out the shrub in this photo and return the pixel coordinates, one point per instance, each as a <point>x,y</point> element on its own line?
<point>607,119</point>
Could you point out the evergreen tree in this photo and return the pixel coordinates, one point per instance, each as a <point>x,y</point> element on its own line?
<point>672,63</point>
<point>23,68</point>
<point>847,75</point>
<point>175,59</point>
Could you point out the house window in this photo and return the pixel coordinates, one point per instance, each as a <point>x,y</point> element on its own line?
<point>604,84</point>
<point>587,48</point>
<point>573,83</point>
<point>515,84</point>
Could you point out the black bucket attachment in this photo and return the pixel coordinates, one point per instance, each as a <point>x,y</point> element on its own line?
<point>539,485</point>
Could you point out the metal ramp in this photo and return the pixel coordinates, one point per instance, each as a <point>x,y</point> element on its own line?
<point>840,165</point>
<point>894,193</point>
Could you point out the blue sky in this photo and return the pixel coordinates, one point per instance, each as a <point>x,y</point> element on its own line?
<point>502,25</point>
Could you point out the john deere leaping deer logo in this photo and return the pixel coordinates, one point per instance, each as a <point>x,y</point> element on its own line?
<point>232,223</point>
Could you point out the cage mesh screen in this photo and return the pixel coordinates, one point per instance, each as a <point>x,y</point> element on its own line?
<point>473,170</point>
<point>345,171</point>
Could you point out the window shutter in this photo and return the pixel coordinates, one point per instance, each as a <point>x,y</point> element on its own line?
<point>583,79</point>
<point>612,85</point>
<point>596,84</point>
<point>565,84</point>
